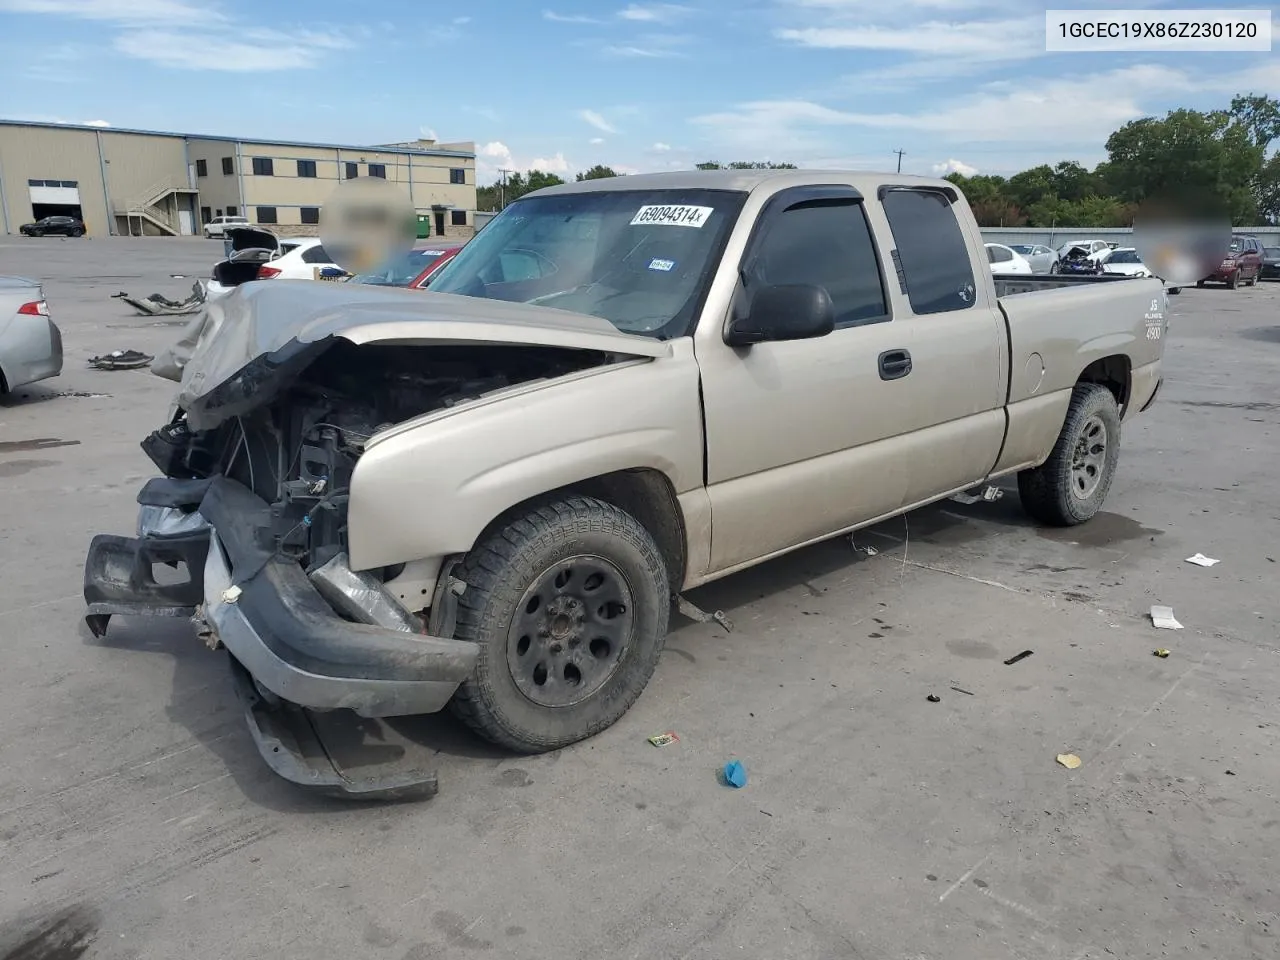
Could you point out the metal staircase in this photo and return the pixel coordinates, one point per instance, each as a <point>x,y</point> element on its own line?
<point>153,206</point>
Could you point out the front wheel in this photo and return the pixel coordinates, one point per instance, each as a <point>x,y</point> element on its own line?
<point>1070,487</point>
<point>569,605</point>
<point>1234,282</point>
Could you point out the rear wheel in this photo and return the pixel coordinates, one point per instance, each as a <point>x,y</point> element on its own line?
<point>569,606</point>
<point>77,232</point>
<point>1071,486</point>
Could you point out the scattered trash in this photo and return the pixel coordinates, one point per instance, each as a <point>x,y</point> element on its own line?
<point>1018,656</point>
<point>663,739</point>
<point>701,616</point>
<point>965,692</point>
<point>1069,760</point>
<point>766,813</point>
<point>160,305</point>
<point>1200,560</point>
<point>231,594</point>
<point>1161,653</point>
<point>932,699</point>
<point>120,360</point>
<point>735,774</point>
<point>1163,618</point>
<point>989,494</point>
<point>1231,773</point>
<point>869,551</point>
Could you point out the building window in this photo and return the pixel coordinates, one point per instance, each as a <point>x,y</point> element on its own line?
<point>378,170</point>
<point>206,214</point>
<point>202,168</point>
<point>306,168</point>
<point>310,214</point>
<point>267,215</point>
<point>353,170</point>
<point>457,175</point>
<point>232,211</point>
<point>263,167</point>
<point>458,218</point>
<point>228,166</point>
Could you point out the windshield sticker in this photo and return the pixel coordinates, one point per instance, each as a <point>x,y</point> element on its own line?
<point>672,216</point>
<point>664,265</point>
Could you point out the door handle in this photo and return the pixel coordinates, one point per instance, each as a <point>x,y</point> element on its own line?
<point>894,364</point>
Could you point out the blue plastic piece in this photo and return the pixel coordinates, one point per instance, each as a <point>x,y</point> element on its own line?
<point>735,774</point>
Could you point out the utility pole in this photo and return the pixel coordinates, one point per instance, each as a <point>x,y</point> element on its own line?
<point>502,189</point>
<point>899,153</point>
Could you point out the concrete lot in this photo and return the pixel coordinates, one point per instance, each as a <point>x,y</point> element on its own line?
<point>137,820</point>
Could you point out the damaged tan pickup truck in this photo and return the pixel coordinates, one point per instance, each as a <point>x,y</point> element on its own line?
<point>490,496</point>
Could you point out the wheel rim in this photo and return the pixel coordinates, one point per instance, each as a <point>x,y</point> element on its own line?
<point>1089,459</point>
<point>571,630</point>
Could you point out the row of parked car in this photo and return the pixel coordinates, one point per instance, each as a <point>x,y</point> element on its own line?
<point>1246,261</point>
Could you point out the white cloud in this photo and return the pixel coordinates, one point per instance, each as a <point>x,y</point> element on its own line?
<point>244,51</point>
<point>96,123</point>
<point>567,17</point>
<point>636,50</point>
<point>1002,40</point>
<point>654,12</point>
<point>427,133</point>
<point>169,12</point>
<point>557,164</point>
<point>953,166</point>
<point>661,148</point>
<point>596,141</point>
<point>495,156</point>
<point>461,21</point>
<point>597,121</point>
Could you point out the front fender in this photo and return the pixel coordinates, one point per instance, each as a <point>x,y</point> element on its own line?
<point>430,490</point>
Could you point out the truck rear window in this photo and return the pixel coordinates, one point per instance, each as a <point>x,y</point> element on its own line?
<point>931,250</point>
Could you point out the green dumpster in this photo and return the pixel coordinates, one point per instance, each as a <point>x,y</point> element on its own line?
<point>424,226</point>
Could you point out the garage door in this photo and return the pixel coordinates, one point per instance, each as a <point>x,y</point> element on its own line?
<point>60,192</point>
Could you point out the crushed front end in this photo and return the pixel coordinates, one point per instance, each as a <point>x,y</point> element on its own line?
<point>252,507</point>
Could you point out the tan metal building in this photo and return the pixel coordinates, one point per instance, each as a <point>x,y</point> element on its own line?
<point>123,182</point>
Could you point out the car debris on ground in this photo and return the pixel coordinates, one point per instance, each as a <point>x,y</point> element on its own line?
<point>1163,618</point>
<point>1200,560</point>
<point>120,360</point>
<point>1162,653</point>
<point>1069,760</point>
<point>1018,656</point>
<point>735,774</point>
<point>158,305</point>
<point>664,739</point>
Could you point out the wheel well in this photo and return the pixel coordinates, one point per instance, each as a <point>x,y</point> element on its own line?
<point>644,493</point>
<point>1114,373</point>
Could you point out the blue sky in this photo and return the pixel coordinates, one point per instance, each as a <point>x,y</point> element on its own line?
<point>957,84</point>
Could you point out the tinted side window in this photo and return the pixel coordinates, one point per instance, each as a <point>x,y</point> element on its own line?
<point>998,254</point>
<point>828,244</point>
<point>931,250</point>
<point>315,254</point>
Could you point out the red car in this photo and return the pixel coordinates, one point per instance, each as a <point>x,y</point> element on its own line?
<point>413,270</point>
<point>1242,264</point>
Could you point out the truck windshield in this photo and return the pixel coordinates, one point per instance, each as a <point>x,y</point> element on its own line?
<point>639,259</point>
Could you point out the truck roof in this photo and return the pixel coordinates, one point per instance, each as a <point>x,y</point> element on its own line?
<point>864,181</point>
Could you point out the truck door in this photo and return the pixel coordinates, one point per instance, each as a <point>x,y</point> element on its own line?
<point>957,338</point>
<point>803,436</point>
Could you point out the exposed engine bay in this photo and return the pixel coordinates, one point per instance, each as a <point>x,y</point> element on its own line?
<point>292,432</point>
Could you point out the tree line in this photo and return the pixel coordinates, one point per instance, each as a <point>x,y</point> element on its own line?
<point>516,185</point>
<point>1206,161</point>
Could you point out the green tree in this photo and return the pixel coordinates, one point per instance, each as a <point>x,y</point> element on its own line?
<point>1260,116</point>
<point>496,195</point>
<point>745,165</point>
<point>598,172</point>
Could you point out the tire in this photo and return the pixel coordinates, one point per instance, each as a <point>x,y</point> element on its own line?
<point>531,623</point>
<point>1199,284</point>
<point>1056,492</point>
<point>1234,282</point>
<point>1253,281</point>
<point>77,232</point>
<point>1174,291</point>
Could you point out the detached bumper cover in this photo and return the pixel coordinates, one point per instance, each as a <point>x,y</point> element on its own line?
<point>291,648</point>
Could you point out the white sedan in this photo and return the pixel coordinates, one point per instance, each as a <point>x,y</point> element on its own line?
<point>1123,261</point>
<point>259,255</point>
<point>1007,262</point>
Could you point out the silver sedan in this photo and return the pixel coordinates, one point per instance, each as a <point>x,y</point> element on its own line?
<point>1041,258</point>
<point>30,343</point>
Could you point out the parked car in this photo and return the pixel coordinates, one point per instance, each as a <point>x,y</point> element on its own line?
<point>1124,261</point>
<point>1090,247</point>
<point>1042,259</point>
<point>1242,263</point>
<point>260,255</point>
<point>51,226</point>
<point>1080,259</point>
<point>413,270</point>
<point>30,343</point>
<point>1004,260</point>
<point>493,494</point>
<point>1270,264</point>
<point>218,226</point>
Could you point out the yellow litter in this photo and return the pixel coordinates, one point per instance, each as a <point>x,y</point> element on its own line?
<point>1069,760</point>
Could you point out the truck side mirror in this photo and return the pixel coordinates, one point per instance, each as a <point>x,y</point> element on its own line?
<point>786,312</point>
